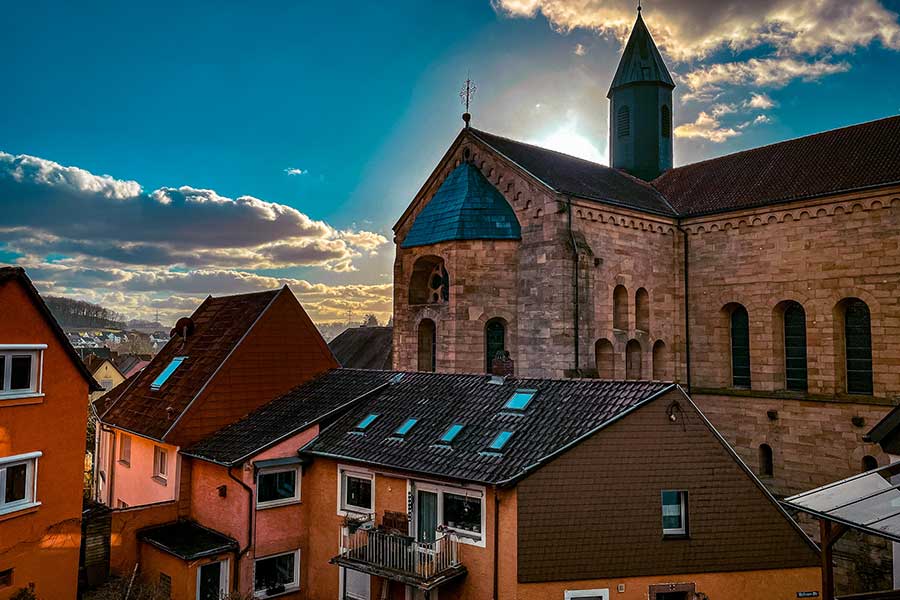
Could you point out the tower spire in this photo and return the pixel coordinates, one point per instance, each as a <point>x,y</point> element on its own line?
<point>465,97</point>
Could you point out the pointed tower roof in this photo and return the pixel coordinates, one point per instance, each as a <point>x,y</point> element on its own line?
<point>641,61</point>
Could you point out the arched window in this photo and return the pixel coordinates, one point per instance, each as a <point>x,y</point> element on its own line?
<point>642,310</point>
<point>494,342</point>
<point>766,462</point>
<point>427,348</point>
<point>869,463</point>
<point>633,360</point>
<point>795,375</point>
<point>740,347</point>
<point>430,282</point>
<point>858,346</point>
<point>623,122</point>
<point>660,361</point>
<point>665,118</point>
<point>606,359</point>
<point>620,308</point>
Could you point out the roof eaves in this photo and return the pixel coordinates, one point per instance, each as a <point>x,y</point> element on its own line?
<point>224,360</point>
<point>568,446</point>
<point>618,204</point>
<point>884,427</point>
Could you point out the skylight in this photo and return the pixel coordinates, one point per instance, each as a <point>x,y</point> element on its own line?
<point>451,433</point>
<point>167,372</point>
<point>520,399</point>
<point>407,425</point>
<point>500,441</point>
<point>366,422</point>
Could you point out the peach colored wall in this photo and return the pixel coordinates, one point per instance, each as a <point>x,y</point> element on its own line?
<point>42,544</point>
<point>780,584</point>
<point>134,484</point>
<point>123,544</point>
<point>183,573</point>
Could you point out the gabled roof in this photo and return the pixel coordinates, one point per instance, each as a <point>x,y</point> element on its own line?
<point>561,413</point>
<point>313,402</point>
<point>94,362</point>
<point>641,61</point>
<point>578,177</point>
<point>364,347</point>
<point>841,160</point>
<point>465,207</point>
<point>219,324</point>
<point>18,274</point>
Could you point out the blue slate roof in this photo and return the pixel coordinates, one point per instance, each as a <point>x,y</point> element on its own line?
<point>465,207</point>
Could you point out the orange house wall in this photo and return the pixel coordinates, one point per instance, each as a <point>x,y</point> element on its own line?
<point>42,544</point>
<point>281,351</point>
<point>183,573</point>
<point>123,544</point>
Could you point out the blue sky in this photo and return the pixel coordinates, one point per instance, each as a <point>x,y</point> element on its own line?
<point>360,101</point>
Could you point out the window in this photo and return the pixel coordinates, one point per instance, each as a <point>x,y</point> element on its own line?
<point>494,343</point>
<point>125,449</point>
<point>623,122</point>
<point>406,427</point>
<point>869,463</point>
<point>439,508</point>
<point>165,585</point>
<point>167,372</point>
<point>275,487</point>
<point>620,308</point>
<point>121,504</point>
<point>674,513</point>
<point>427,349</point>
<point>276,574</point>
<point>212,580</point>
<point>795,347</point>
<point>642,310</point>
<point>520,399</point>
<point>356,492</point>
<point>6,578</point>
<point>740,347</point>
<point>19,370</point>
<point>665,121</point>
<point>500,441</point>
<point>605,357</point>
<point>430,281</point>
<point>634,361</point>
<point>106,384</point>
<point>587,594</point>
<point>660,361</point>
<point>160,463</point>
<point>451,433</point>
<point>18,482</point>
<point>462,512</point>
<point>858,347</point>
<point>766,462</point>
<point>364,424</point>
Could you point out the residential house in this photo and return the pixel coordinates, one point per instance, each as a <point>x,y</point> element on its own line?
<point>44,389</point>
<point>104,372</point>
<point>364,347</point>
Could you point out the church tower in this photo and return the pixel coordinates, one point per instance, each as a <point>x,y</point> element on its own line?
<point>640,108</point>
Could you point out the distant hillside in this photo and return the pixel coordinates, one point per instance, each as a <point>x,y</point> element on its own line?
<point>78,313</point>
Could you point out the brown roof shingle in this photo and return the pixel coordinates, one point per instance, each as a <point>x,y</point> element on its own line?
<point>219,324</point>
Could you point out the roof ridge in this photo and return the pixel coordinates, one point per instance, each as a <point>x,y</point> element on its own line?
<point>544,148</point>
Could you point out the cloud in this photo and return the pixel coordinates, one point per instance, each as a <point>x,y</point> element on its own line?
<point>296,171</point>
<point>760,101</point>
<point>772,72</point>
<point>707,127</point>
<point>580,50</point>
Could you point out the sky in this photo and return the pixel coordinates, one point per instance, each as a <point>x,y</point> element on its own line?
<point>154,153</point>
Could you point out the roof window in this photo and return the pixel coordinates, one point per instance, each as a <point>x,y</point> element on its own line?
<point>167,372</point>
<point>520,399</point>
<point>407,425</point>
<point>451,433</point>
<point>366,422</point>
<point>500,441</point>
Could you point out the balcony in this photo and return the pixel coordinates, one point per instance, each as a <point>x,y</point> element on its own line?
<point>397,557</point>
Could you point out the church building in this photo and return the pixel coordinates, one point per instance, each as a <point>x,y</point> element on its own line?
<point>766,282</point>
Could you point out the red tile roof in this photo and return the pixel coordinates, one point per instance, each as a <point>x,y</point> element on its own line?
<point>842,160</point>
<point>219,325</point>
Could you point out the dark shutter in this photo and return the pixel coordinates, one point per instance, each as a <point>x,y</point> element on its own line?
<point>858,336</point>
<point>666,121</point>
<point>740,348</point>
<point>623,122</point>
<point>795,348</point>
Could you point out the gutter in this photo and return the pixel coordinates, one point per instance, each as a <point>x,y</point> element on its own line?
<point>687,309</point>
<point>250,513</point>
<point>576,307</point>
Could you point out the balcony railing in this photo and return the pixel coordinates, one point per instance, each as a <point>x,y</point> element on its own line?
<point>400,557</point>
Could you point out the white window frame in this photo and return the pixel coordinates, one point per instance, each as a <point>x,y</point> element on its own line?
<point>223,576</point>
<point>36,351</point>
<point>465,536</point>
<point>123,459</point>
<point>683,530</point>
<point>30,460</point>
<point>287,588</point>
<point>343,508</point>
<point>603,594</point>
<point>295,499</point>
<point>157,472</point>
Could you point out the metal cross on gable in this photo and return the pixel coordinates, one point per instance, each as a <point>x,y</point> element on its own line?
<point>465,96</point>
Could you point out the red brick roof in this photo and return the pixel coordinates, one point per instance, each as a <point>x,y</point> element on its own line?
<point>219,325</point>
<point>841,160</point>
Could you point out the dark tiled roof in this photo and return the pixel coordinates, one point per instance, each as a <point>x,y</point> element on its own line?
<point>219,324</point>
<point>18,274</point>
<point>560,413</point>
<point>578,177</point>
<point>364,347</point>
<point>841,160</point>
<point>313,402</point>
<point>465,207</point>
<point>187,540</point>
<point>641,61</point>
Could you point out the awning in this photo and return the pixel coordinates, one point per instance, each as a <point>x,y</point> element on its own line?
<point>187,540</point>
<point>280,462</point>
<point>868,502</point>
